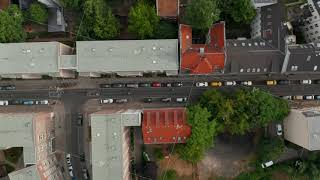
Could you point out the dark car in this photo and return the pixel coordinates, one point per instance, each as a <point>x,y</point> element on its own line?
<point>8,88</point>
<point>28,102</point>
<point>147,100</point>
<point>93,93</point>
<point>156,84</point>
<point>118,85</point>
<point>317,81</point>
<point>284,82</point>
<point>105,85</point>
<point>177,84</point>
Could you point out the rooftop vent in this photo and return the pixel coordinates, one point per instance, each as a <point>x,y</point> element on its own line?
<point>201,51</point>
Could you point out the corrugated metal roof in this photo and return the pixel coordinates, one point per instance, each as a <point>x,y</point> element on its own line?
<point>31,57</point>
<point>127,55</point>
<point>165,125</point>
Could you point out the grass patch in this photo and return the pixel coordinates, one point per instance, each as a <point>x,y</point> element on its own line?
<point>9,168</point>
<point>168,175</point>
<point>158,153</point>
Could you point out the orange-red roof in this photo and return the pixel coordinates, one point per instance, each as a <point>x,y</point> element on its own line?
<point>168,8</point>
<point>165,125</point>
<point>203,58</point>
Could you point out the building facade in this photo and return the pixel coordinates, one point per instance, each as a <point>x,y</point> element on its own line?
<point>311,27</point>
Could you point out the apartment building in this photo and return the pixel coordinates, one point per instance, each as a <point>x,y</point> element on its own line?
<point>34,131</point>
<point>110,140</point>
<point>311,27</point>
<point>33,60</point>
<point>127,57</point>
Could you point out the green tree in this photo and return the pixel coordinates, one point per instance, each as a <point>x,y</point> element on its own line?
<point>166,30</point>
<point>202,135</point>
<point>270,149</point>
<point>201,14</point>
<point>241,11</point>
<point>38,12</point>
<point>168,175</point>
<point>72,4</point>
<point>98,21</point>
<point>11,29</point>
<point>143,20</point>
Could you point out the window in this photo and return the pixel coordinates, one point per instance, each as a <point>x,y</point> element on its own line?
<point>311,27</point>
<point>318,37</point>
<point>316,32</point>
<point>313,39</point>
<point>314,17</point>
<point>316,25</point>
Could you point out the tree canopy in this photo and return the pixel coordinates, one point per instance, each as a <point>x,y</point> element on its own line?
<point>72,4</point>
<point>244,110</point>
<point>11,29</point>
<point>201,14</point>
<point>241,11</point>
<point>98,21</point>
<point>38,12</point>
<point>202,136</point>
<point>143,20</point>
<point>269,149</point>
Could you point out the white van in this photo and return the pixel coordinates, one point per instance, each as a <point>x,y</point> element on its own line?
<point>267,164</point>
<point>4,103</point>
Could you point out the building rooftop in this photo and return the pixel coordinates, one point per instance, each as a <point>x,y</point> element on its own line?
<point>16,130</point>
<point>165,125</point>
<point>168,8</point>
<point>303,58</point>
<point>28,173</point>
<point>4,4</point>
<point>302,127</point>
<point>128,55</point>
<point>252,56</point>
<point>37,58</point>
<point>107,130</point>
<point>202,58</point>
<point>261,3</point>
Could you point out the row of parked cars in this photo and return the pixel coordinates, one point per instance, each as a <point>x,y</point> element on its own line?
<point>137,85</point>
<point>23,102</point>
<point>146,100</point>
<point>300,97</point>
<point>7,88</point>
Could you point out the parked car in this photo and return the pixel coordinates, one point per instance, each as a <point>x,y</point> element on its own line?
<point>144,85</point>
<point>7,88</point>
<point>202,84</point>
<point>246,83</point>
<point>308,97</point>
<point>317,81</point>
<point>166,84</point>
<point>80,119</point>
<point>286,97</point>
<point>105,85</point>
<point>230,83</point>
<point>298,97</point>
<point>93,93</point>
<point>147,100</point>
<point>117,85</point>
<point>42,102</point>
<point>166,99</point>
<point>271,82</point>
<point>121,100</point>
<point>156,84</point>
<point>284,82</point>
<point>4,103</point>
<point>106,101</point>
<point>181,100</point>
<point>177,84</point>
<point>307,81</point>
<point>132,85</point>
<point>28,102</point>
<point>216,84</point>
<point>279,129</point>
<point>317,97</point>
<point>267,164</point>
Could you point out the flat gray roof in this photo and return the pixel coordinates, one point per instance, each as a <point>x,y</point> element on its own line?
<point>28,173</point>
<point>107,136</point>
<point>127,55</point>
<point>31,57</point>
<point>16,130</point>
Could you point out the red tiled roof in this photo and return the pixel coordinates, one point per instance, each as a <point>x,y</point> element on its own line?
<point>4,4</point>
<point>212,57</point>
<point>168,8</point>
<point>165,125</point>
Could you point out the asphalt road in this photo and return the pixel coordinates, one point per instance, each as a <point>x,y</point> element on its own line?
<point>75,93</point>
